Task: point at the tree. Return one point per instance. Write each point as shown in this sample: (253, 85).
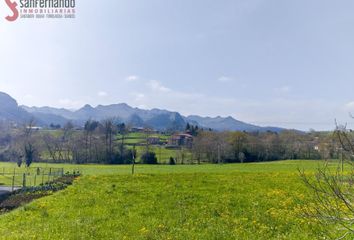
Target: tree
(333, 190)
(109, 131)
(147, 134)
(191, 129)
(149, 158)
(54, 147)
(212, 146)
(90, 127)
(237, 141)
(29, 148)
(181, 155)
(29, 154)
(188, 127)
(172, 161)
(123, 131)
(241, 157)
(67, 140)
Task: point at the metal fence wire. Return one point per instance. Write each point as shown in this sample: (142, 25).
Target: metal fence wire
(28, 177)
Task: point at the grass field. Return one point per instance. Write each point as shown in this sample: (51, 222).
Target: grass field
(163, 154)
(238, 201)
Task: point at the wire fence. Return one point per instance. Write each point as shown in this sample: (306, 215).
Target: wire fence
(28, 177)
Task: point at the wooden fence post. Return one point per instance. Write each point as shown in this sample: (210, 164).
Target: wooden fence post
(24, 180)
(13, 183)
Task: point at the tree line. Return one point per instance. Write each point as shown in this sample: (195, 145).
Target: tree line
(239, 147)
(105, 143)
(95, 143)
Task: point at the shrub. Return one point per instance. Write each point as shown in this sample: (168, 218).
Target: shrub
(172, 161)
(149, 158)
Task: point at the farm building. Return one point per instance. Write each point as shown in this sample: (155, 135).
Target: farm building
(137, 129)
(182, 139)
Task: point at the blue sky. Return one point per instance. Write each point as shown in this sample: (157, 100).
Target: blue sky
(268, 62)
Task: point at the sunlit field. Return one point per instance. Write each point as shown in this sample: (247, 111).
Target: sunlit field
(238, 201)
(94, 169)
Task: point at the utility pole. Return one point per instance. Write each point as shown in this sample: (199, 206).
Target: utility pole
(342, 160)
(133, 156)
(160, 154)
(219, 156)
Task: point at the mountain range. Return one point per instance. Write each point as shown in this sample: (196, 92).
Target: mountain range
(157, 119)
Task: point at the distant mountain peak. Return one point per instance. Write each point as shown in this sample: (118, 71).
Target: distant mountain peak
(7, 101)
(10, 111)
(155, 118)
(87, 106)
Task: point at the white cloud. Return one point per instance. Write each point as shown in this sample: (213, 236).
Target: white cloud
(224, 79)
(132, 78)
(157, 86)
(102, 94)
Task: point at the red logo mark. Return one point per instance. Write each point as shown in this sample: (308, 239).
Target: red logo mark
(13, 7)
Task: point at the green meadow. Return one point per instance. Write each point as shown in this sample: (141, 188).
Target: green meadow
(230, 201)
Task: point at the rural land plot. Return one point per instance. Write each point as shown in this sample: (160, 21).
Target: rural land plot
(245, 201)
